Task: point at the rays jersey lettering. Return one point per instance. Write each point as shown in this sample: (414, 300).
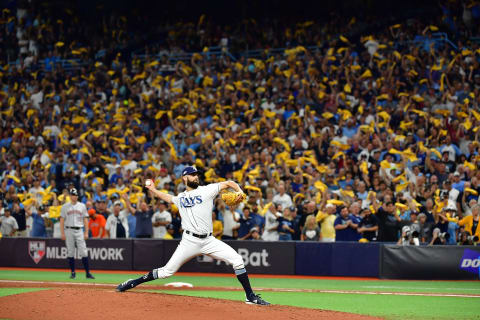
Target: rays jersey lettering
(196, 207)
(188, 202)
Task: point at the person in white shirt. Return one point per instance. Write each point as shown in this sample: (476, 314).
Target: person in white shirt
(163, 178)
(117, 224)
(160, 219)
(8, 224)
(36, 190)
(282, 198)
(270, 233)
(230, 220)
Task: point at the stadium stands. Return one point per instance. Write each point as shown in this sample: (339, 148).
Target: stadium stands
(374, 131)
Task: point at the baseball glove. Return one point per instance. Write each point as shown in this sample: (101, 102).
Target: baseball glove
(233, 198)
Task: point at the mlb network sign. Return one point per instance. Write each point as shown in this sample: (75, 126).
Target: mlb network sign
(471, 261)
(109, 254)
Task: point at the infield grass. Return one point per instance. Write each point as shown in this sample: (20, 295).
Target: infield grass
(394, 307)
(9, 291)
(455, 287)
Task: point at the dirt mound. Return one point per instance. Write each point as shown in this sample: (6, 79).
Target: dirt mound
(95, 303)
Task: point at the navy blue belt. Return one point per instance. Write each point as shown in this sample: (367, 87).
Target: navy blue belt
(74, 228)
(201, 236)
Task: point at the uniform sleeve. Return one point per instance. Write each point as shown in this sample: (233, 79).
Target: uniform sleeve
(84, 211)
(212, 190)
(63, 212)
(169, 217)
(154, 217)
(176, 201)
(15, 224)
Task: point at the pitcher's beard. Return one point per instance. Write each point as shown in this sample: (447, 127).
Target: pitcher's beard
(192, 184)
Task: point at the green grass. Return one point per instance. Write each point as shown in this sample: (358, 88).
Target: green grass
(391, 307)
(388, 306)
(9, 291)
(472, 287)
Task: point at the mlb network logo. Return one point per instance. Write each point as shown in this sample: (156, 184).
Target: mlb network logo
(36, 250)
(471, 261)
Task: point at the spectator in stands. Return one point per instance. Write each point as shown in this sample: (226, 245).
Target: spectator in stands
(160, 219)
(247, 223)
(354, 211)
(345, 228)
(230, 220)
(350, 116)
(176, 225)
(116, 226)
(270, 233)
(470, 223)
(96, 224)
(388, 219)
(101, 207)
(19, 215)
(282, 198)
(327, 223)
(311, 231)
(143, 217)
(438, 237)
(8, 224)
(285, 225)
(368, 226)
(296, 219)
(38, 221)
(425, 228)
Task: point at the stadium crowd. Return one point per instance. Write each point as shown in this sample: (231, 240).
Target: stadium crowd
(359, 138)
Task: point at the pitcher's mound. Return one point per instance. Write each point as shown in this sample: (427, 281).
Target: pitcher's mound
(86, 303)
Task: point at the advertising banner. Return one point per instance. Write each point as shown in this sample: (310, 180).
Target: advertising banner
(52, 253)
(149, 254)
(337, 259)
(435, 262)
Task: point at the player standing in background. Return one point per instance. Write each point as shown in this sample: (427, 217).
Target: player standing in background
(74, 217)
(196, 208)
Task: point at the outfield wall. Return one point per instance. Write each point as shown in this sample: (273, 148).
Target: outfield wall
(260, 257)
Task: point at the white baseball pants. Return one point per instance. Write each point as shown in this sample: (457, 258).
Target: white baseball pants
(191, 246)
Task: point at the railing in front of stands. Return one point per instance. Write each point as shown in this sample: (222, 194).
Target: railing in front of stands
(439, 38)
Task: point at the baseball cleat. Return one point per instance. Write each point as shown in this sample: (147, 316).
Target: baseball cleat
(124, 286)
(90, 276)
(255, 299)
(72, 275)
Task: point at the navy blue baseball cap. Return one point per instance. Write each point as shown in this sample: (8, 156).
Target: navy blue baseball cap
(189, 170)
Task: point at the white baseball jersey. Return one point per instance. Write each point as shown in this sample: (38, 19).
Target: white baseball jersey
(74, 214)
(8, 224)
(270, 222)
(160, 231)
(196, 207)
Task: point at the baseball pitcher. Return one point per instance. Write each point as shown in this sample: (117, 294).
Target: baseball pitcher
(196, 208)
(73, 218)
